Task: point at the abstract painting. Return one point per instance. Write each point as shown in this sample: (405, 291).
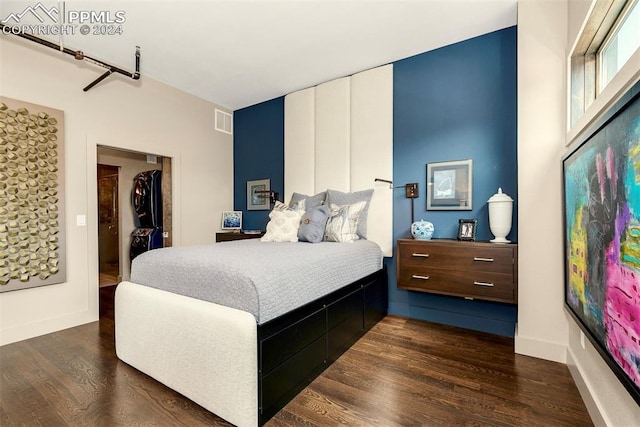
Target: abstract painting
(602, 238)
(32, 232)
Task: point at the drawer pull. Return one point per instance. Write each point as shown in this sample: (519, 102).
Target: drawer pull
(420, 255)
(490, 285)
(416, 276)
(483, 259)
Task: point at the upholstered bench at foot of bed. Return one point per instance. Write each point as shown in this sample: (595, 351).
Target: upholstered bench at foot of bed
(205, 351)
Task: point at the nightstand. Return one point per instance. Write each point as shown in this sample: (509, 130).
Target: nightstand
(473, 270)
(229, 236)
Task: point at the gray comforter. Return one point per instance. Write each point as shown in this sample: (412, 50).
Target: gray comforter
(262, 278)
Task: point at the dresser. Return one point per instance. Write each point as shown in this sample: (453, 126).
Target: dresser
(474, 270)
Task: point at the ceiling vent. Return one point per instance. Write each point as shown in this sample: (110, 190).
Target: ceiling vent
(224, 122)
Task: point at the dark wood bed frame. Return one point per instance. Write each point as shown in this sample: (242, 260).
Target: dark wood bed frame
(296, 347)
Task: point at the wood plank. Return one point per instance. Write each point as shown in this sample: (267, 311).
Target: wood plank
(402, 372)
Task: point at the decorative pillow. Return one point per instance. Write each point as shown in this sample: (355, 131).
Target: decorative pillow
(342, 199)
(283, 226)
(310, 202)
(312, 224)
(279, 206)
(342, 225)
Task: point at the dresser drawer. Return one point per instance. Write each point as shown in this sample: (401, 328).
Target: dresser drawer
(483, 285)
(462, 256)
(479, 270)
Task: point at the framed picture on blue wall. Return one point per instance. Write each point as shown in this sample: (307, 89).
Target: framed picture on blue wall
(450, 186)
(258, 195)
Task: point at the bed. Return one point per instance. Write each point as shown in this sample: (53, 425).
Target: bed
(246, 356)
(244, 360)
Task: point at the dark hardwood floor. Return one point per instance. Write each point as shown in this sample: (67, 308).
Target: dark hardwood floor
(403, 372)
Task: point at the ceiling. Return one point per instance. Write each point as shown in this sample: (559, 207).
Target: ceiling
(242, 52)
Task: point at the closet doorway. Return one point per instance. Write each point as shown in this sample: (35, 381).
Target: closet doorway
(116, 170)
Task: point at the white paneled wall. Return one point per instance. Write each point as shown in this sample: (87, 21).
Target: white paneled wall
(333, 133)
(339, 135)
(299, 130)
(372, 147)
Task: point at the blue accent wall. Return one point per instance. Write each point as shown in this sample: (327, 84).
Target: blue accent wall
(457, 102)
(258, 153)
(453, 103)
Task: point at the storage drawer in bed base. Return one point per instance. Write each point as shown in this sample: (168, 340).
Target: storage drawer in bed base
(295, 348)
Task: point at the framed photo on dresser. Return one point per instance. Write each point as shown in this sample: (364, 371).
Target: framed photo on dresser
(467, 229)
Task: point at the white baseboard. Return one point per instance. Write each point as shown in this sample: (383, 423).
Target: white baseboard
(31, 330)
(541, 349)
(585, 391)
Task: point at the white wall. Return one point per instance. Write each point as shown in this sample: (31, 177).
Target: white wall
(143, 116)
(351, 116)
(542, 49)
(546, 32)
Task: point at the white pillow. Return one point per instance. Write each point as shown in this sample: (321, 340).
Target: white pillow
(283, 226)
(279, 206)
(342, 199)
(342, 225)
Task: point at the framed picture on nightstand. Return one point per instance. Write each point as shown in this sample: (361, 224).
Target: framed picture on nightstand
(467, 229)
(231, 220)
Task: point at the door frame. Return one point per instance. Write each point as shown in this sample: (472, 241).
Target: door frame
(140, 146)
